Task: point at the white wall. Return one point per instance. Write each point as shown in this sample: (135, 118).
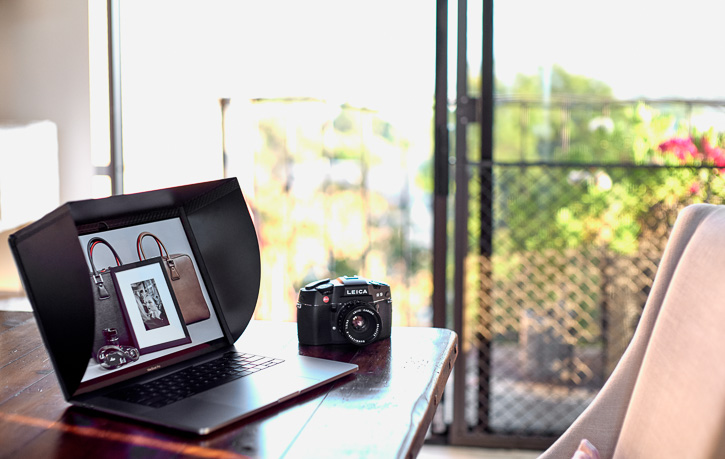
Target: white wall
(44, 75)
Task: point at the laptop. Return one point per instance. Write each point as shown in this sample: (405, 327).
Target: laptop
(141, 298)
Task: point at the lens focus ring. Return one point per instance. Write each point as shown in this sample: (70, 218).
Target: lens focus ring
(359, 323)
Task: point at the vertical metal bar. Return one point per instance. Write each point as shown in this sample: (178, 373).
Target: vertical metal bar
(565, 117)
(461, 222)
(441, 186)
(440, 174)
(486, 214)
(114, 95)
(523, 127)
(224, 106)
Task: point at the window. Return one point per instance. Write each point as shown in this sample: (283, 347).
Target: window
(322, 109)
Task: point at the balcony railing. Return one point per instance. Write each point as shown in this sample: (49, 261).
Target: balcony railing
(581, 197)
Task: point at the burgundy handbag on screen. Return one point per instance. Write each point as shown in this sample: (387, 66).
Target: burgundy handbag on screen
(105, 300)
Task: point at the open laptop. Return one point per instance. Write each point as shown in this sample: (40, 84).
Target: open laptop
(140, 299)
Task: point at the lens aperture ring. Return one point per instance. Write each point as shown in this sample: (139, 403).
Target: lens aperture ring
(359, 322)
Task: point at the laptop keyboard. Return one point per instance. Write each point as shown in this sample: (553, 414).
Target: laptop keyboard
(193, 380)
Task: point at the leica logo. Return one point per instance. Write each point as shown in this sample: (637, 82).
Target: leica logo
(356, 291)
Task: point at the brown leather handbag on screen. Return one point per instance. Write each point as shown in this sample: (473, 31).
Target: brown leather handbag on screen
(184, 282)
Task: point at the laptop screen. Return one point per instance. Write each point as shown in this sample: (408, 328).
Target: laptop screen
(151, 304)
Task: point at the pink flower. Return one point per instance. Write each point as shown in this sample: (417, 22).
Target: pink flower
(694, 188)
(684, 149)
(714, 154)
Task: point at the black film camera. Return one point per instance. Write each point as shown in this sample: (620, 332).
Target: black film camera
(344, 310)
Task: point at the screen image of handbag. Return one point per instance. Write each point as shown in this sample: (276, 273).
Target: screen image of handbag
(183, 278)
(105, 300)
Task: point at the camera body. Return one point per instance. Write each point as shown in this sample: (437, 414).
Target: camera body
(346, 310)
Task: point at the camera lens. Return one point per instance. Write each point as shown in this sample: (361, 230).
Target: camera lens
(359, 323)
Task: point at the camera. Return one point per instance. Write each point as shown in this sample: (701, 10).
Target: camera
(348, 309)
(113, 355)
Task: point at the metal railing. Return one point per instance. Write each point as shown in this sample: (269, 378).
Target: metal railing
(577, 229)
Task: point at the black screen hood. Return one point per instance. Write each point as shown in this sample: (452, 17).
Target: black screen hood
(52, 265)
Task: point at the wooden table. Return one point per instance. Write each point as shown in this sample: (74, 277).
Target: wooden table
(383, 411)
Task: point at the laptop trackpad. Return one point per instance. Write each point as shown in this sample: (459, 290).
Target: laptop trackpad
(257, 390)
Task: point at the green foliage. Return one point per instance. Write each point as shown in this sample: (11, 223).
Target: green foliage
(345, 123)
(548, 124)
(607, 205)
(557, 82)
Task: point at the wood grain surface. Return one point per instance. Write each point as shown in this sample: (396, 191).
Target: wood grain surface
(382, 411)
